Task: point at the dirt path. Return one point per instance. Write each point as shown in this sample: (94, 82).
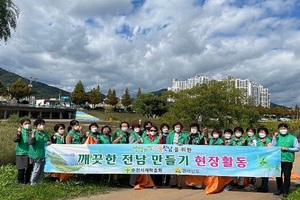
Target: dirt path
(188, 194)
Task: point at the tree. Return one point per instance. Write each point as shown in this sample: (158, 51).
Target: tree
(9, 13)
(2, 89)
(78, 96)
(139, 92)
(217, 104)
(126, 100)
(19, 89)
(111, 97)
(95, 96)
(149, 105)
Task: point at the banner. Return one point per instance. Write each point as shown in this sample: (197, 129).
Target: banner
(164, 159)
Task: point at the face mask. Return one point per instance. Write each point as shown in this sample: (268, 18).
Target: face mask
(283, 132)
(124, 129)
(153, 133)
(262, 135)
(227, 135)
(61, 131)
(76, 128)
(250, 134)
(106, 133)
(137, 130)
(238, 134)
(41, 127)
(215, 136)
(193, 130)
(165, 130)
(94, 130)
(177, 130)
(27, 126)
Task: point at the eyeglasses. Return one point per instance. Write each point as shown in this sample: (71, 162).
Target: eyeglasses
(153, 130)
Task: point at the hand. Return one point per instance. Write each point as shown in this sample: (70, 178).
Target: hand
(19, 130)
(48, 142)
(284, 149)
(180, 144)
(275, 134)
(80, 128)
(263, 140)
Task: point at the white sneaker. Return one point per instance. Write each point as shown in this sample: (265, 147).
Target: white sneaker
(250, 187)
(227, 188)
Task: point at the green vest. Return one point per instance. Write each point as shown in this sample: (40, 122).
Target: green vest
(249, 141)
(240, 142)
(123, 140)
(75, 136)
(213, 141)
(37, 150)
(181, 139)
(58, 140)
(94, 135)
(104, 139)
(22, 146)
(135, 136)
(259, 143)
(146, 140)
(288, 142)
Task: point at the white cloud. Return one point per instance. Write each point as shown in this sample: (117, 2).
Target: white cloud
(116, 45)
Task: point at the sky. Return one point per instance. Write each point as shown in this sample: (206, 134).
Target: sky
(120, 44)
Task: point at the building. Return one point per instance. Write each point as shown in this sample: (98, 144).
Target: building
(257, 92)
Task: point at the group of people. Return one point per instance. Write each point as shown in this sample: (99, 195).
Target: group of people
(30, 151)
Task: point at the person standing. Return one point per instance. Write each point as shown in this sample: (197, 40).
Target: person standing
(289, 145)
(37, 142)
(22, 160)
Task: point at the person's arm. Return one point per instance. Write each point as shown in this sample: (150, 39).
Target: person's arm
(31, 138)
(295, 147)
(69, 139)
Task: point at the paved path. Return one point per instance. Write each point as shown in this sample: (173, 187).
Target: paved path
(188, 194)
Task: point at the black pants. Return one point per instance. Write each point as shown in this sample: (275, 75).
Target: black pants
(24, 174)
(286, 169)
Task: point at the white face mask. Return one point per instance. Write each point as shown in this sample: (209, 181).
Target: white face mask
(283, 132)
(76, 127)
(153, 133)
(238, 134)
(137, 130)
(61, 131)
(250, 134)
(94, 130)
(215, 135)
(27, 126)
(177, 130)
(165, 130)
(194, 130)
(262, 135)
(41, 127)
(227, 135)
(124, 129)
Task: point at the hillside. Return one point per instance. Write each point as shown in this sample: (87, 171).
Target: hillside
(40, 90)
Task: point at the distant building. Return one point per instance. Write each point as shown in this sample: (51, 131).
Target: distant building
(257, 92)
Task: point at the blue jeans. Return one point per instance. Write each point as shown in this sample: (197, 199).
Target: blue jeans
(37, 174)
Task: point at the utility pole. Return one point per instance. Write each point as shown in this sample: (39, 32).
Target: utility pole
(31, 79)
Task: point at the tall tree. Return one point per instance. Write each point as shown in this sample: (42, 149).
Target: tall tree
(78, 96)
(9, 13)
(149, 104)
(217, 104)
(139, 92)
(111, 97)
(2, 89)
(19, 89)
(95, 96)
(126, 100)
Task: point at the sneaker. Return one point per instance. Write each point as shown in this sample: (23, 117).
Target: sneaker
(227, 188)
(155, 187)
(250, 187)
(279, 192)
(263, 189)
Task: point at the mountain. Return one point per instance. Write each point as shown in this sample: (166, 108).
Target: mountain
(159, 92)
(39, 90)
(273, 105)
